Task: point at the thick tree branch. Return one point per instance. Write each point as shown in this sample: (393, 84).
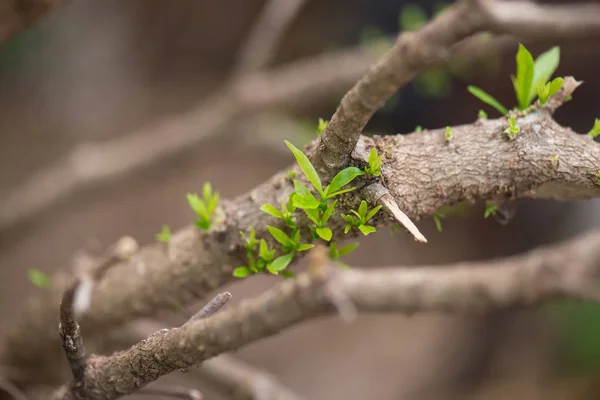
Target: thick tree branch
(411, 54)
(563, 270)
(18, 15)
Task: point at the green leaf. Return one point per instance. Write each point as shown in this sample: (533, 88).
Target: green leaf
(595, 131)
(490, 209)
(487, 99)
(544, 67)
(367, 229)
(306, 167)
(281, 263)
(325, 233)
(438, 222)
(362, 210)
(280, 236)
(347, 249)
(372, 213)
(197, 205)
(329, 211)
(207, 190)
(203, 224)
(263, 249)
(305, 246)
(164, 235)
(321, 125)
(271, 210)
(241, 272)
(38, 278)
(523, 82)
(412, 17)
(481, 115)
(342, 178)
(347, 229)
(341, 192)
(304, 198)
(555, 86)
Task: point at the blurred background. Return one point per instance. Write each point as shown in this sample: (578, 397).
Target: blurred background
(96, 71)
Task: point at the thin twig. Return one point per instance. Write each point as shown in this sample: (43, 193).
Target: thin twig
(211, 307)
(266, 34)
(564, 270)
(74, 300)
(12, 390)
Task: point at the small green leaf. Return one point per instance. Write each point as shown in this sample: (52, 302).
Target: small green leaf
(197, 205)
(545, 65)
(438, 222)
(321, 125)
(207, 190)
(595, 131)
(347, 249)
(305, 246)
(241, 272)
(38, 278)
(304, 198)
(280, 236)
(341, 192)
(490, 209)
(263, 249)
(555, 85)
(307, 167)
(341, 179)
(372, 213)
(325, 233)
(482, 115)
(329, 211)
(487, 99)
(164, 235)
(271, 210)
(333, 251)
(448, 134)
(347, 229)
(203, 224)
(281, 263)
(418, 129)
(367, 229)
(362, 209)
(523, 82)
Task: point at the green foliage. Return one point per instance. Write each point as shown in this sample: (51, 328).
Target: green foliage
(374, 167)
(548, 90)
(360, 219)
(487, 99)
(544, 67)
(412, 17)
(595, 131)
(164, 235)
(437, 219)
(318, 208)
(335, 253)
(531, 80)
(204, 207)
(490, 209)
(598, 177)
(523, 82)
(321, 125)
(418, 129)
(39, 278)
(512, 129)
(482, 115)
(448, 134)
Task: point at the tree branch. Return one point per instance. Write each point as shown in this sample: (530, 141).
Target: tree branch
(564, 270)
(422, 172)
(18, 15)
(266, 34)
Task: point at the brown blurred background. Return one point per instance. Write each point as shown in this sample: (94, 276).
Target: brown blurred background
(96, 70)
